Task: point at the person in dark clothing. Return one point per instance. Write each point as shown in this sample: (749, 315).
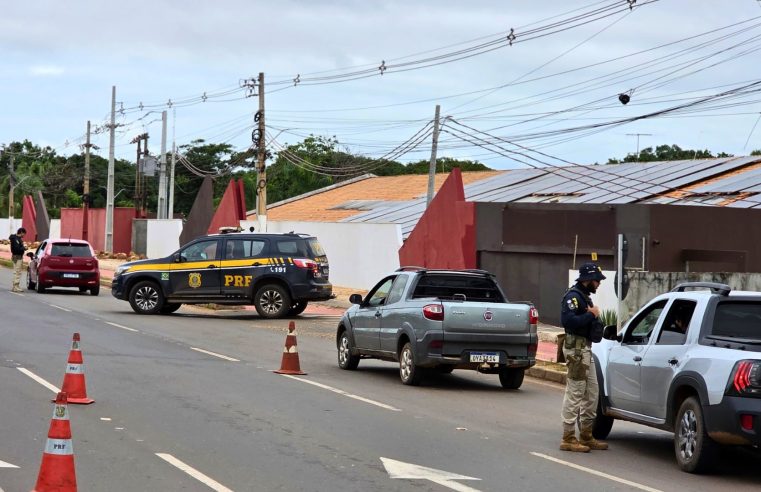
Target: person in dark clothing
(17, 257)
(580, 319)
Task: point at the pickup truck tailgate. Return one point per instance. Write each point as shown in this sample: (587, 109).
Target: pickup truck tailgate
(485, 317)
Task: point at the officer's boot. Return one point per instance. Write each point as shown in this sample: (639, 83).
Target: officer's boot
(587, 439)
(569, 442)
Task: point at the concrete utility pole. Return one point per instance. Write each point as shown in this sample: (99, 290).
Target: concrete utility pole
(86, 186)
(161, 212)
(170, 207)
(432, 167)
(110, 184)
(261, 186)
(138, 195)
(12, 185)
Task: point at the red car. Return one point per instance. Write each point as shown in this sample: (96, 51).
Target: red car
(63, 263)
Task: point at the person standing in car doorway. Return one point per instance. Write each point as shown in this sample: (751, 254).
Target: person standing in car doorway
(580, 320)
(17, 257)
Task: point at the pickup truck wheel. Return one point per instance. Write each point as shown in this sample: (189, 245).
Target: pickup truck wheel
(272, 301)
(346, 360)
(510, 377)
(695, 451)
(408, 371)
(146, 297)
(602, 424)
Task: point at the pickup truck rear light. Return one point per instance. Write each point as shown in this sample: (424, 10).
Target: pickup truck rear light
(745, 379)
(533, 316)
(434, 312)
(308, 264)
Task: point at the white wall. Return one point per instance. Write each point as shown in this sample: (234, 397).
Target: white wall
(55, 228)
(6, 228)
(360, 254)
(605, 298)
(163, 237)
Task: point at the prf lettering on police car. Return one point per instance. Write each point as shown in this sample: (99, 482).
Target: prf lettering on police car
(237, 280)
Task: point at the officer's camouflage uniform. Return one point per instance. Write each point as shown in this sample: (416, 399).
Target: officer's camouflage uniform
(581, 390)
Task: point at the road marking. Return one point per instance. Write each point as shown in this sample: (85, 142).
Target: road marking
(3, 464)
(597, 473)
(121, 326)
(32, 375)
(344, 393)
(61, 308)
(214, 354)
(209, 482)
(409, 471)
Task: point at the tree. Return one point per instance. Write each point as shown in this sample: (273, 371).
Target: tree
(756, 152)
(667, 153)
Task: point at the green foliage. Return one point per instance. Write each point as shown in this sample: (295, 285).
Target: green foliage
(608, 317)
(756, 152)
(667, 153)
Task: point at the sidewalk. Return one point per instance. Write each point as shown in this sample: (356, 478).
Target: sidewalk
(546, 365)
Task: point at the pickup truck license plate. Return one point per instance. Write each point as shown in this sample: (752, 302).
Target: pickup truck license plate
(484, 357)
(70, 275)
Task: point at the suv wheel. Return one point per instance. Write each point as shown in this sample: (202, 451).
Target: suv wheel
(169, 308)
(410, 373)
(272, 301)
(146, 297)
(346, 360)
(298, 308)
(695, 451)
(510, 377)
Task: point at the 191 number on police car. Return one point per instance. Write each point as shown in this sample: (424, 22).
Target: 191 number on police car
(277, 269)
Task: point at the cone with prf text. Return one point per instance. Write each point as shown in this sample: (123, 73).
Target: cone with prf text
(74, 379)
(57, 468)
(290, 363)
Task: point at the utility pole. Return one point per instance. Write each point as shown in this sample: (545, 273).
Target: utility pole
(432, 166)
(161, 212)
(86, 186)
(639, 135)
(261, 186)
(170, 208)
(138, 195)
(110, 184)
(143, 193)
(12, 184)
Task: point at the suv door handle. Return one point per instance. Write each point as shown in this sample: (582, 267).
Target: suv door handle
(212, 266)
(637, 358)
(256, 263)
(673, 361)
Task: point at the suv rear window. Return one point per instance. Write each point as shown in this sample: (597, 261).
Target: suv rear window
(292, 247)
(445, 287)
(737, 320)
(316, 247)
(70, 250)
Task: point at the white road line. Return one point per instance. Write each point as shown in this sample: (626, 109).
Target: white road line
(4, 464)
(121, 326)
(32, 375)
(209, 482)
(214, 354)
(597, 473)
(61, 308)
(344, 393)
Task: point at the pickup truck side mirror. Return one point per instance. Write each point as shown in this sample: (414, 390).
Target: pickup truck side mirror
(30, 255)
(610, 333)
(355, 299)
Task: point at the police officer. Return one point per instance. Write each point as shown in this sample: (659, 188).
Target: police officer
(580, 319)
(17, 257)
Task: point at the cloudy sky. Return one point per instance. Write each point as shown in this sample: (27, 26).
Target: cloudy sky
(60, 60)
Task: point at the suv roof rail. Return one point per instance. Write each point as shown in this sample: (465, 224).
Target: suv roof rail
(411, 269)
(477, 270)
(716, 288)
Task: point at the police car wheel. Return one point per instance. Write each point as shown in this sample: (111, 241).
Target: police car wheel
(146, 298)
(169, 308)
(272, 301)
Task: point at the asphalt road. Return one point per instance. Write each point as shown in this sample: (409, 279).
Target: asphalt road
(169, 416)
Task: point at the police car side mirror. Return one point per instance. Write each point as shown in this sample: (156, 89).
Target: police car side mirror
(355, 299)
(610, 333)
(176, 258)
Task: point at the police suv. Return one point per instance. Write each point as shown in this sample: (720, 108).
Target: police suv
(278, 273)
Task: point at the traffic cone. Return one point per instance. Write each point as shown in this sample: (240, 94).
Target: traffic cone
(57, 468)
(290, 362)
(74, 379)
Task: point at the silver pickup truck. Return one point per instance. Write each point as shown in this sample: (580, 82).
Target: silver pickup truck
(688, 362)
(440, 320)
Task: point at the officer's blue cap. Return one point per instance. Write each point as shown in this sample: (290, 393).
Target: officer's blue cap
(590, 271)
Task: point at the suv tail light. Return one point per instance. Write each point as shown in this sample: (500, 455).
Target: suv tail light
(533, 316)
(434, 312)
(308, 264)
(745, 379)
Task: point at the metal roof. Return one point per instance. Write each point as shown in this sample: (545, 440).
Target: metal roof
(634, 182)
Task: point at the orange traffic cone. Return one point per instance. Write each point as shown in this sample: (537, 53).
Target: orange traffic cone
(57, 467)
(290, 363)
(74, 379)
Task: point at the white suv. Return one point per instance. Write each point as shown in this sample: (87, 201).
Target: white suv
(688, 362)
